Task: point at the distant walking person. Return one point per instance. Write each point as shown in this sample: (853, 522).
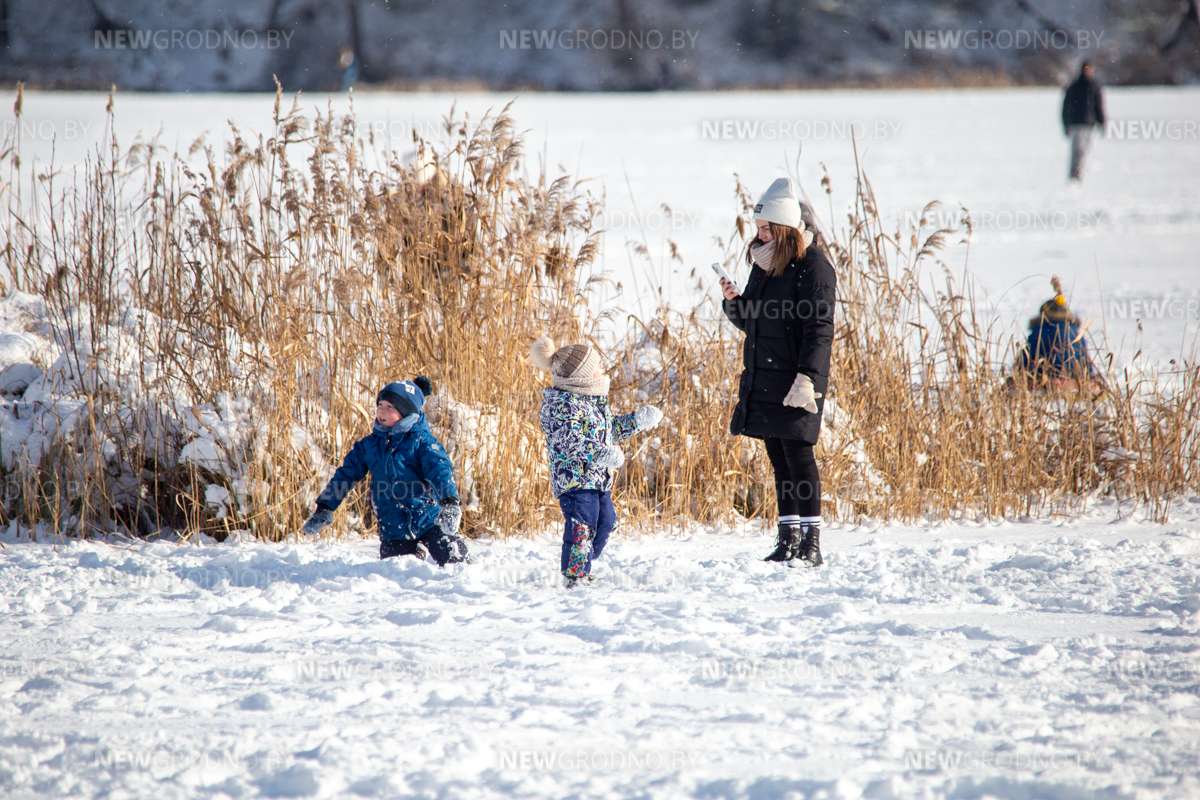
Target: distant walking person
(1082, 112)
(349, 65)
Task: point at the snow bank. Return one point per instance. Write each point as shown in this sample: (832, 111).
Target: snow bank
(66, 377)
(61, 368)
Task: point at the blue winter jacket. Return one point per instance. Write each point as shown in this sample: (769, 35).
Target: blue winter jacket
(1055, 350)
(578, 427)
(410, 476)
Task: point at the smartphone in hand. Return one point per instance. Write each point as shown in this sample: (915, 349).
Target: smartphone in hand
(723, 275)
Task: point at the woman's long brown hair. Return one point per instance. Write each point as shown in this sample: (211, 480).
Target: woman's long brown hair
(789, 246)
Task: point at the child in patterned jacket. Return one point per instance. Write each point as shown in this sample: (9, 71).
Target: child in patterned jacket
(581, 437)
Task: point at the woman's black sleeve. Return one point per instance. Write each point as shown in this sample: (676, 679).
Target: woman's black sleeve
(818, 294)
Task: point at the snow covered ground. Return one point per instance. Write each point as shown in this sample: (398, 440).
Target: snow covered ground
(1126, 238)
(1016, 660)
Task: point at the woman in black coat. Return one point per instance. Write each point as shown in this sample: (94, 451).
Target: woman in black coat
(786, 312)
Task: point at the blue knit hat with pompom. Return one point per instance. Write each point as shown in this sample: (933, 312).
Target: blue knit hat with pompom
(406, 396)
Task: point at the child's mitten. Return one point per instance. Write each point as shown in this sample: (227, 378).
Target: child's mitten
(320, 519)
(610, 457)
(450, 517)
(647, 417)
(801, 395)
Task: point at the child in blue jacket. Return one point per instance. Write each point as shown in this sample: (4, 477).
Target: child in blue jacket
(1056, 351)
(581, 435)
(412, 480)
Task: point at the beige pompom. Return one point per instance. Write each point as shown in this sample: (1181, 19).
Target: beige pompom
(542, 352)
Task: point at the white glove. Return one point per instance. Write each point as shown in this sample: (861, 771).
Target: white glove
(801, 395)
(610, 457)
(449, 519)
(647, 417)
(317, 521)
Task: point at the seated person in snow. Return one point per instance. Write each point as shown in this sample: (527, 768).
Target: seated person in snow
(581, 434)
(412, 480)
(1056, 354)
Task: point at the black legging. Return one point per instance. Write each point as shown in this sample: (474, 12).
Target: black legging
(797, 483)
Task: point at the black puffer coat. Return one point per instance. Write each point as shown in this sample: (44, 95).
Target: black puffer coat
(788, 322)
(1083, 103)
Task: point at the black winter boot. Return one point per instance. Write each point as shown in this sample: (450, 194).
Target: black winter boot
(809, 550)
(787, 540)
(446, 548)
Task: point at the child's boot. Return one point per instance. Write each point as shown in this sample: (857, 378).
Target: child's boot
(446, 548)
(391, 548)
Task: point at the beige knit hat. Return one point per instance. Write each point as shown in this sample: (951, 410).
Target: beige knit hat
(568, 361)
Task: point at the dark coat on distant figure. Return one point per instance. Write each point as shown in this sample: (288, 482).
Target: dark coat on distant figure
(1055, 349)
(1083, 103)
(788, 322)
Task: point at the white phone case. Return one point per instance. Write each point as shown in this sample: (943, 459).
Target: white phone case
(721, 273)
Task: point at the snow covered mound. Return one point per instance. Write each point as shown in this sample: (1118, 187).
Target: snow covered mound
(59, 366)
(1047, 660)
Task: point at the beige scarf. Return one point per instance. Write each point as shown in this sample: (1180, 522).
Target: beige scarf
(763, 254)
(593, 387)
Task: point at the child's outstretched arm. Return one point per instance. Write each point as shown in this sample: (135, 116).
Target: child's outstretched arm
(352, 470)
(626, 425)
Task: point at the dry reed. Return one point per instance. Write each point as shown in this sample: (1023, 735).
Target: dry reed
(226, 320)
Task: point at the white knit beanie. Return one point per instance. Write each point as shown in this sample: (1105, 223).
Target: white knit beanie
(780, 205)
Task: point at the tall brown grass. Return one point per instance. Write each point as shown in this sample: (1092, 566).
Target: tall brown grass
(278, 284)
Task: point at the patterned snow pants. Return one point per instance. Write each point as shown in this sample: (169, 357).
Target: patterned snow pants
(590, 517)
